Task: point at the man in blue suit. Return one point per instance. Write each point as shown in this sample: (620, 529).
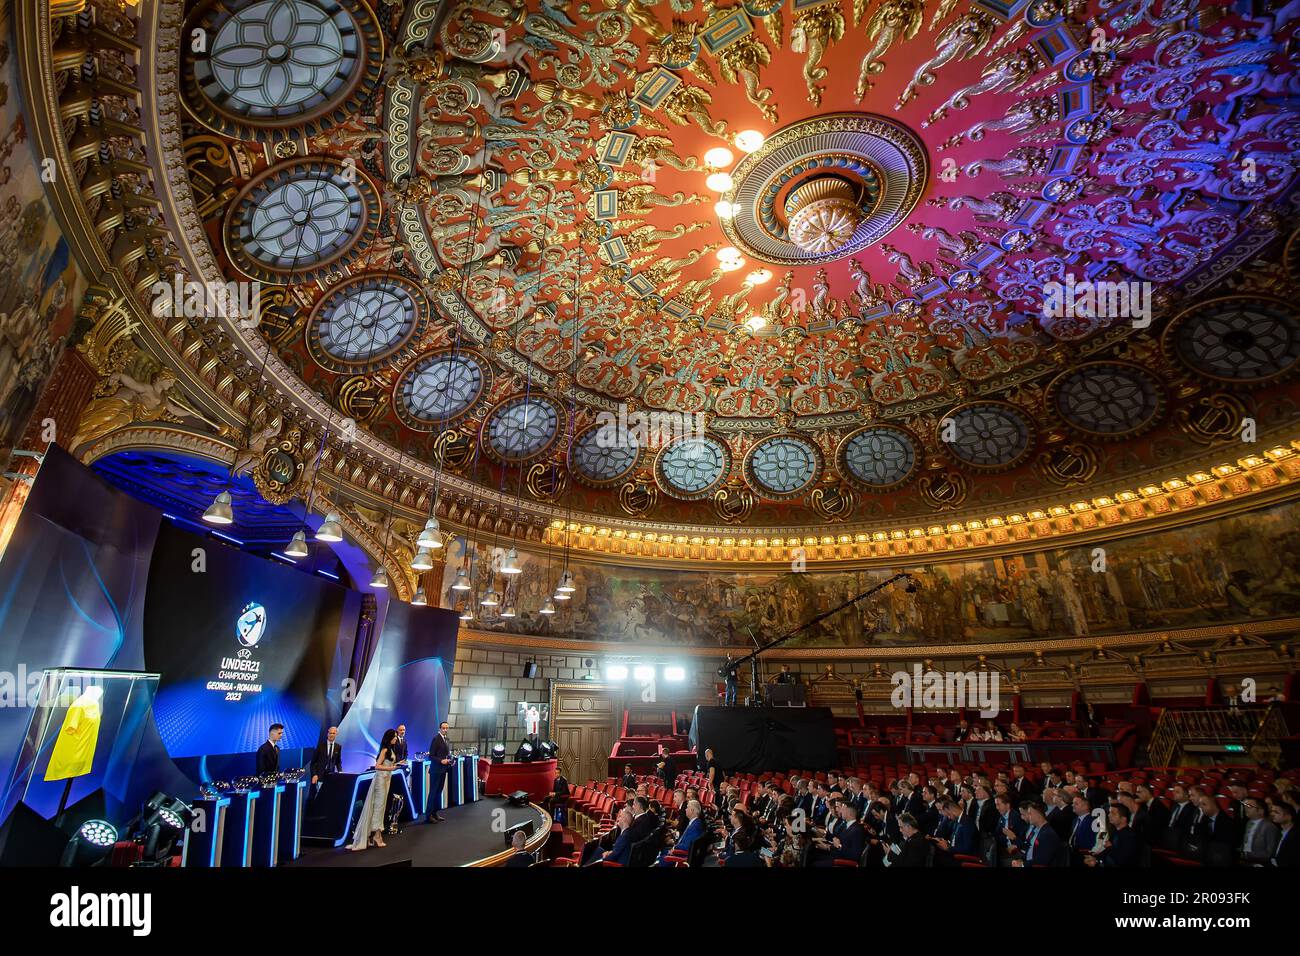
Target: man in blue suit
(621, 852)
(1041, 844)
(1083, 839)
(1011, 826)
(695, 830)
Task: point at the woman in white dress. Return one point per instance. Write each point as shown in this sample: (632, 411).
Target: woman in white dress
(370, 825)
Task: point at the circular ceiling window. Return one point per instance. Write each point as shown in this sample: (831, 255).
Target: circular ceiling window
(783, 466)
(1242, 338)
(879, 457)
(440, 387)
(1107, 399)
(521, 428)
(603, 456)
(363, 322)
(692, 467)
(987, 435)
(272, 69)
(297, 219)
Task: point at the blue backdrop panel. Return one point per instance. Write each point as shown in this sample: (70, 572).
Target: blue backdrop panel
(408, 682)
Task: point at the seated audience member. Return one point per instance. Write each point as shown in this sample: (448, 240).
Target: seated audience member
(520, 857)
(629, 778)
(677, 814)
(912, 848)
(992, 733)
(643, 821)
(1011, 827)
(1287, 852)
(929, 820)
(1260, 834)
(1042, 847)
(848, 841)
(1021, 787)
(1016, 735)
(1083, 838)
(1091, 788)
(959, 836)
(1152, 819)
(1122, 847)
(963, 732)
(694, 831)
(621, 851)
(745, 853)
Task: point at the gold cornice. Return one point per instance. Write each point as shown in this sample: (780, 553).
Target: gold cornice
(1132, 639)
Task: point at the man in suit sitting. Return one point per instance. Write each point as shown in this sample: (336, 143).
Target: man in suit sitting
(621, 851)
(1287, 852)
(1011, 827)
(521, 857)
(1021, 787)
(440, 760)
(913, 850)
(959, 834)
(1041, 844)
(328, 757)
(1083, 839)
(644, 823)
(746, 853)
(1123, 848)
(930, 816)
(695, 830)
(848, 841)
(268, 755)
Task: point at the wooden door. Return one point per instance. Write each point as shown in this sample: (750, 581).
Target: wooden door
(585, 721)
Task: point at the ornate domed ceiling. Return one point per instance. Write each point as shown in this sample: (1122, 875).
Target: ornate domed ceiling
(836, 251)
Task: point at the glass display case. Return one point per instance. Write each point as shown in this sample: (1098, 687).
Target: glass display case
(84, 732)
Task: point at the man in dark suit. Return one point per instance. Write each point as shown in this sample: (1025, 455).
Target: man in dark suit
(913, 848)
(666, 767)
(1152, 819)
(1041, 844)
(1082, 836)
(1059, 816)
(328, 757)
(1287, 852)
(1214, 835)
(1123, 848)
(399, 745)
(984, 813)
(440, 760)
(930, 816)
(746, 854)
(1097, 795)
(1021, 787)
(1011, 827)
(268, 755)
(521, 857)
(621, 851)
(849, 840)
(644, 822)
(962, 731)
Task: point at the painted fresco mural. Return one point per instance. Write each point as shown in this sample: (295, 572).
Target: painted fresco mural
(1234, 569)
(40, 283)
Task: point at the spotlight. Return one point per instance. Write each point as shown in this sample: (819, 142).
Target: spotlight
(483, 702)
(550, 750)
(615, 672)
(330, 530)
(498, 753)
(724, 209)
(731, 265)
(719, 182)
(758, 276)
(748, 140)
(422, 561)
(297, 546)
(220, 512)
(525, 753)
(431, 536)
(643, 672)
(91, 843)
(674, 673)
(462, 581)
(380, 580)
(420, 599)
(162, 823)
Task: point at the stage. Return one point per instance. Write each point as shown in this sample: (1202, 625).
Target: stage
(468, 837)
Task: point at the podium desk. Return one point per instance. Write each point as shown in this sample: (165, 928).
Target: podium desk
(237, 836)
(203, 841)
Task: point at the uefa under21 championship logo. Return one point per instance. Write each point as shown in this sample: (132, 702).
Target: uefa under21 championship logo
(251, 624)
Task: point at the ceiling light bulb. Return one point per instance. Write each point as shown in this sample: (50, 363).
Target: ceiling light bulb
(731, 265)
(330, 529)
(431, 536)
(297, 546)
(466, 613)
(749, 140)
(508, 610)
(724, 209)
(548, 607)
(422, 561)
(220, 512)
(566, 585)
(420, 599)
(462, 581)
(491, 599)
(510, 564)
(380, 580)
(728, 253)
(719, 182)
(758, 276)
(718, 157)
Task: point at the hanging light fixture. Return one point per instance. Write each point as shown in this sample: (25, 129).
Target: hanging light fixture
(548, 607)
(508, 609)
(423, 561)
(220, 512)
(563, 596)
(297, 546)
(462, 581)
(431, 536)
(330, 530)
(466, 612)
(380, 580)
(566, 583)
(420, 600)
(491, 599)
(510, 564)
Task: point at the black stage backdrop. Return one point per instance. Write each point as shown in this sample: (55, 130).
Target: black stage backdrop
(755, 739)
